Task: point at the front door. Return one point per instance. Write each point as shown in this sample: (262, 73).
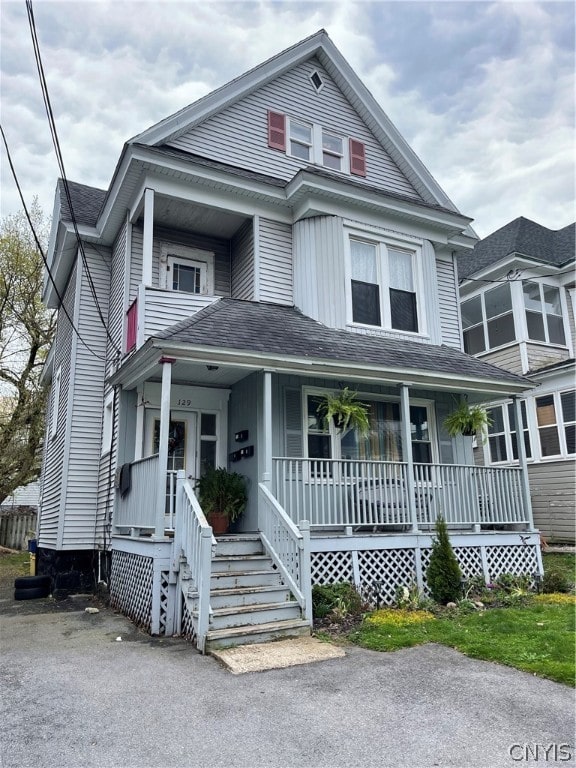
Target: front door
(182, 441)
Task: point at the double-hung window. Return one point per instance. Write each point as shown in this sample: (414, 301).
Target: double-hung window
(488, 320)
(383, 286)
(332, 151)
(503, 435)
(300, 140)
(189, 270)
(544, 319)
(556, 422)
(384, 441)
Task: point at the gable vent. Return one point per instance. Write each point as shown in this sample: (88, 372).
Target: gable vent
(317, 81)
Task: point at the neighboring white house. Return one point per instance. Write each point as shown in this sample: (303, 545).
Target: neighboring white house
(272, 242)
(517, 302)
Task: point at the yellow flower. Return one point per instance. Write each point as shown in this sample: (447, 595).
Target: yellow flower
(556, 598)
(397, 617)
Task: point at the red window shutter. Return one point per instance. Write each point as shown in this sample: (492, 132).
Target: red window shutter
(276, 130)
(132, 325)
(357, 158)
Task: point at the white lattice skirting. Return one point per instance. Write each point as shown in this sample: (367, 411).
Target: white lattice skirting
(379, 571)
(140, 585)
(131, 583)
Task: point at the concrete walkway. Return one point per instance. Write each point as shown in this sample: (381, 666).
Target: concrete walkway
(74, 695)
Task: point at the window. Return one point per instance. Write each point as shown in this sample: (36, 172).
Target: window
(383, 291)
(300, 140)
(108, 424)
(55, 402)
(488, 320)
(208, 440)
(544, 319)
(313, 143)
(317, 81)
(556, 421)
(189, 270)
(503, 436)
(332, 151)
(384, 443)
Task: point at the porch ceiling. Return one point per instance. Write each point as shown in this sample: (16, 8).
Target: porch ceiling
(172, 213)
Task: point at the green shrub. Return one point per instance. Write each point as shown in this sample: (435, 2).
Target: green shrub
(339, 599)
(443, 574)
(555, 580)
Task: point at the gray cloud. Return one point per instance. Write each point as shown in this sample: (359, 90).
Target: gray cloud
(482, 91)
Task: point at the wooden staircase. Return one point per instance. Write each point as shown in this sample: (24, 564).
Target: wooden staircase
(249, 602)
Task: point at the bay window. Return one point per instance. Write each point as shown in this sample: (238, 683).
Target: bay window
(383, 285)
(544, 319)
(488, 320)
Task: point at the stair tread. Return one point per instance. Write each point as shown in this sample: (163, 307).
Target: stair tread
(253, 608)
(248, 590)
(256, 629)
(262, 572)
(236, 558)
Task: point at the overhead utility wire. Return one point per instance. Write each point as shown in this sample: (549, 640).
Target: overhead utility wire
(58, 151)
(41, 251)
(512, 277)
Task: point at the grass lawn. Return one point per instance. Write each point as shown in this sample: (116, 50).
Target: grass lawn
(565, 562)
(14, 564)
(537, 637)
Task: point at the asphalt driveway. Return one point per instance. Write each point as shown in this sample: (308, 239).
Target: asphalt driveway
(73, 695)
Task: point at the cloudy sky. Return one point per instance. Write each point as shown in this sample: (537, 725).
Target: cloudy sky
(482, 91)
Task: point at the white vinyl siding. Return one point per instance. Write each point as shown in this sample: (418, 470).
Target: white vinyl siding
(448, 303)
(86, 408)
(275, 262)
(243, 266)
(553, 492)
(53, 462)
(239, 134)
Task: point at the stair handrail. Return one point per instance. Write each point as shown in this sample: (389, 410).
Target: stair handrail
(194, 541)
(289, 547)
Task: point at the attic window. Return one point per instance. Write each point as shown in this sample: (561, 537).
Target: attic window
(317, 81)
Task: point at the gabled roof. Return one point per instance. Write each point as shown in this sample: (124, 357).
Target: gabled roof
(521, 237)
(320, 46)
(86, 201)
(273, 329)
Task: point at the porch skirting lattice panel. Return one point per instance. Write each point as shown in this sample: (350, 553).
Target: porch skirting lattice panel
(140, 583)
(378, 565)
(131, 582)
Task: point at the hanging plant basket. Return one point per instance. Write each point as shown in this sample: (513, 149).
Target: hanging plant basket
(346, 413)
(468, 420)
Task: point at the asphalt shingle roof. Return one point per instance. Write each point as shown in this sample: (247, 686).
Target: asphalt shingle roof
(524, 237)
(86, 201)
(273, 329)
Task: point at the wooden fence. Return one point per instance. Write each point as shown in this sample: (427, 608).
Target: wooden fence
(16, 528)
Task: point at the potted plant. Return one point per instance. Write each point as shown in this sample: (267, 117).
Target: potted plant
(222, 496)
(345, 411)
(467, 420)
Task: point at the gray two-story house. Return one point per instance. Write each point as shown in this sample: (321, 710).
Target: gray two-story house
(517, 301)
(271, 243)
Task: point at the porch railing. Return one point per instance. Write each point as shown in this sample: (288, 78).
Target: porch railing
(194, 542)
(334, 493)
(136, 507)
(288, 546)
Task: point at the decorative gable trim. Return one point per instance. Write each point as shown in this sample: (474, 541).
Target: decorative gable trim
(357, 158)
(276, 130)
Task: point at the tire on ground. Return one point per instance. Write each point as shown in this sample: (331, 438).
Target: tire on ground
(32, 582)
(31, 594)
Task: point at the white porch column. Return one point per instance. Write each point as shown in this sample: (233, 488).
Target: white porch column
(522, 463)
(267, 429)
(148, 237)
(163, 443)
(140, 412)
(407, 452)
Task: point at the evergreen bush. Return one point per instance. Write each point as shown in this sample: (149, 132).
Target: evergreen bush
(443, 574)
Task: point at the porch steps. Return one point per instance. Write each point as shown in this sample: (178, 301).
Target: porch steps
(249, 603)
